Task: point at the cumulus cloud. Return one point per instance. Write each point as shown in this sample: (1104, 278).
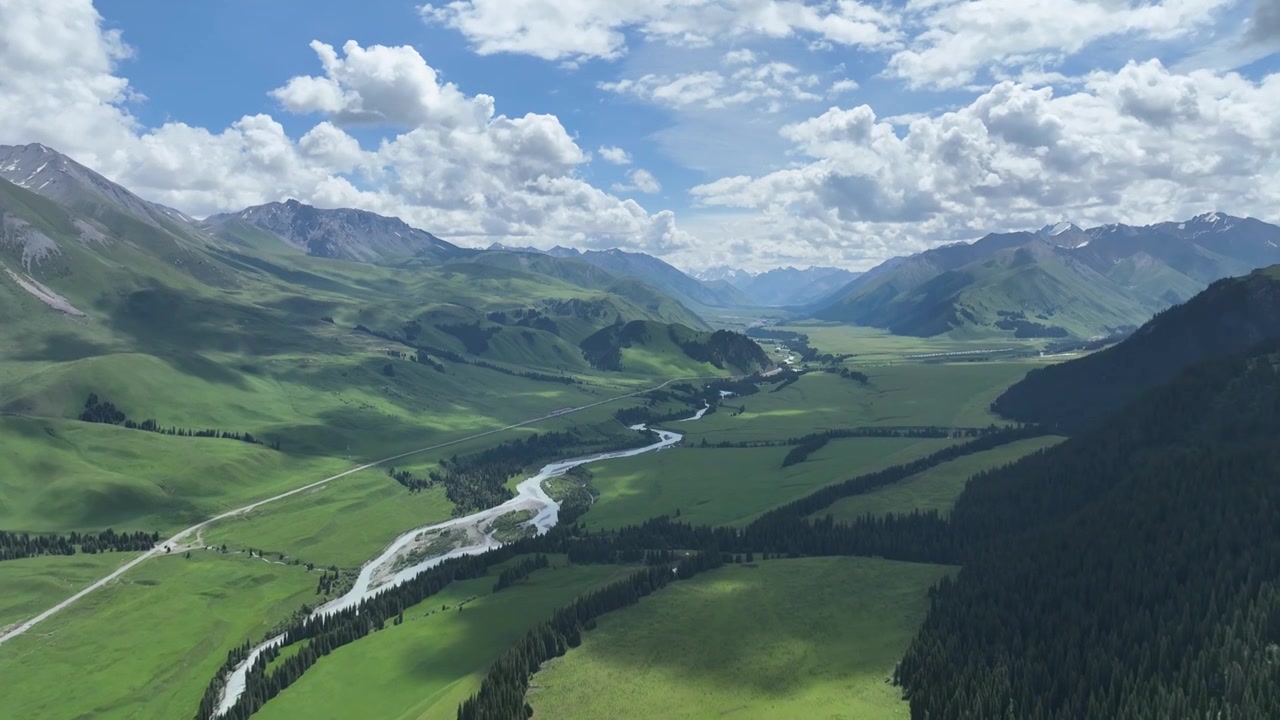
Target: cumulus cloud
(842, 85)
(1140, 145)
(449, 163)
(580, 29)
(639, 180)
(771, 82)
(615, 155)
(952, 41)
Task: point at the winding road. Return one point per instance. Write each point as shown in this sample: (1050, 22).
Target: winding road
(14, 631)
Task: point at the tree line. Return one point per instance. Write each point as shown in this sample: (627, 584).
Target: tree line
(520, 571)
(97, 410)
(412, 482)
(478, 481)
(921, 431)
(503, 689)
(23, 545)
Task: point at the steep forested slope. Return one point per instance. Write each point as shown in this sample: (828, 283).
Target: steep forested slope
(1228, 317)
(1131, 572)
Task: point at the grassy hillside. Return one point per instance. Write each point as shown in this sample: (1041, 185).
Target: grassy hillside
(674, 350)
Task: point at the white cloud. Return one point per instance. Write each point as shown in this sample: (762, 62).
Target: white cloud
(956, 39)
(1139, 145)
(639, 180)
(615, 155)
(450, 164)
(577, 29)
(843, 85)
(772, 82)
(739, 57)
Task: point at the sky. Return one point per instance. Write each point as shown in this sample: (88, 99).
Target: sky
(749, 133)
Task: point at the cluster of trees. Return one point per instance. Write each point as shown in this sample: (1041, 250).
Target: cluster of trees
(525, 317)
(329, 581)
(854, 375)
(579, 500)
(789, 377)
(478, 481)
(502, 691)
(801, 452)
(520, 571)
(410, 481)
(724, 348)
(812, 439)
(99, 411)
(22, 545)
(645, 414)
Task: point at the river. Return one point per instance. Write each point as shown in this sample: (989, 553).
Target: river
(399, 562)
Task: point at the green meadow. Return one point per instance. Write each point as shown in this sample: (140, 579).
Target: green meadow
(33, 585)
(721, 486)
(807, 638)
(936, 488)
(424, 668)
(956, 394)
(146, 646)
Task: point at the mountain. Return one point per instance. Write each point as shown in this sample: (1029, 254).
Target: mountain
(1229, 317)
(781, 287)
(789, 286)
(342, 233)
(660, 275)
(734, 276)
(1132, 571)
(63, 180)
(638, 344)
(1061, 281)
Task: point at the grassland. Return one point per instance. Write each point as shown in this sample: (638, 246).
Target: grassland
(32, 585)
(912, 394)
(936, 488)
(422, 669)
(812, 638)
(731, 485)
(873, 345)
(146, 646)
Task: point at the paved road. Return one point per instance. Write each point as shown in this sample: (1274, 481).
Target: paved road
(16, 630)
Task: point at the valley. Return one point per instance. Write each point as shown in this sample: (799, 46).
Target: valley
(364, 471)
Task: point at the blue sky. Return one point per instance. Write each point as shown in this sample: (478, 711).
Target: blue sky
(758, 132)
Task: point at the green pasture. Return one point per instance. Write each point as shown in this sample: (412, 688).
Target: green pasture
(33, 585)
(424, 668)
(808, 638)
(732, 485)
(936, 488)
(146, 646)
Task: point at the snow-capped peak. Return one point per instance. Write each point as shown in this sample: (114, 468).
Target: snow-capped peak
(1058, 229)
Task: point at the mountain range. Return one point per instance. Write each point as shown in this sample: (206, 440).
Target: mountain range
(1060, 281)
(91, 274)
(781, 287)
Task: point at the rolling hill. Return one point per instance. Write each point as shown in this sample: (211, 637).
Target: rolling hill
(233, 325)
(638, 344)
(1229, 317)
(1059, 282)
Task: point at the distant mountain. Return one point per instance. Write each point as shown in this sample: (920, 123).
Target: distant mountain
(1229, 317)
(342, 233)
(660, 275)
(735, 276)
(781, 287)
(1060, 281)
